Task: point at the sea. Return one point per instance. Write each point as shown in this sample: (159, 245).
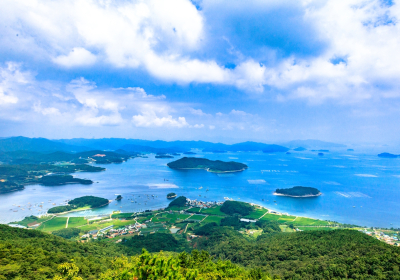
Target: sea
(357, 188)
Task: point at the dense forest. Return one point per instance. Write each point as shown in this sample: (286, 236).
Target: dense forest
(203, 163)
(60, 209)
(92, 201)
(179, 201)
(236, 207)
(335, 254)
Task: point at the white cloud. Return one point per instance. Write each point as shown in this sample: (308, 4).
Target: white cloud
(81, 103)
(150, 119)
(77, 57)
(6, 99)
(167, 38)
(198, 126)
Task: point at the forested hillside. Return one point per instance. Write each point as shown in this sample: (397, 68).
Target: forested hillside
(336, 254)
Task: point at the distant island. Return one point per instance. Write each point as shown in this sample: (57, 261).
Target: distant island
(350, 150)
(189, 153)
(300, 149)
(80, 203)
(216, 166)
(387, 155)
(298, 191)
(171, 195)
(214, 151)
(59, 180)
(164, 156)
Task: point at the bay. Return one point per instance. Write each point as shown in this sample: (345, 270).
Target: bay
(358, 188)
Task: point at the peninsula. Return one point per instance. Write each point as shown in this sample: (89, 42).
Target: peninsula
(298, 191)
(215, 166)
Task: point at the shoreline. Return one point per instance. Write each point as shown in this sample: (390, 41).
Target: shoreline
(78, 210)
(303, 196)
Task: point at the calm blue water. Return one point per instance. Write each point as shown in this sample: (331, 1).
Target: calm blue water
(369, 183)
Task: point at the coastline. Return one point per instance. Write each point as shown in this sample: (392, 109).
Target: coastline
(303, 196)
(78, 210)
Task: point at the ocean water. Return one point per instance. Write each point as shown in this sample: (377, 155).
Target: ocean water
(360, 189)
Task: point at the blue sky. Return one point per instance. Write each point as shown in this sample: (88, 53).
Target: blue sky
(217, 70)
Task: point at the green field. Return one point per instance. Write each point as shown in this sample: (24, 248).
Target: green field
(183, 216)
(54, 224)
(213, 211)
(76, 221)
(197, 217)
(28, 220)
(270, 217)
(194, 210)
(211, 219)
(121, 215)
(285, 228)
(177, 208)
(300, 221)
(287, 218)
(314, 228)
(256, 214)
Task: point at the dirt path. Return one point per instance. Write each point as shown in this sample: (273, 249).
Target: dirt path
(66, 225)
(262, 215)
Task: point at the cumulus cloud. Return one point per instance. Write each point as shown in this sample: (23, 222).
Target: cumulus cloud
(80, 102)
(161, 37)
(77, 57)
(156, 115)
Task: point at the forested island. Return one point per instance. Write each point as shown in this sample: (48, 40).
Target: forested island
(58, 180)
(21, 168)
(171, 195)
(387, 155)
(80, 202)
(216, 166)
(163, 156)
(298, 191)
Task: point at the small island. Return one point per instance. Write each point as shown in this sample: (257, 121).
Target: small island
(119, 197)
(80, 203)
(387, 155)
(300, 149)
(298, 191)
(164, 156)
(171, 195)
(215, 166)
(59, 180)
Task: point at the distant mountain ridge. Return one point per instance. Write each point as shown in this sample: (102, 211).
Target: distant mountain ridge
(160, 146)
(20, 143)
(312, 144)
(147, 146)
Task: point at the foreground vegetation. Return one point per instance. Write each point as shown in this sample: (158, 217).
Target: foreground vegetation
(269, 248)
